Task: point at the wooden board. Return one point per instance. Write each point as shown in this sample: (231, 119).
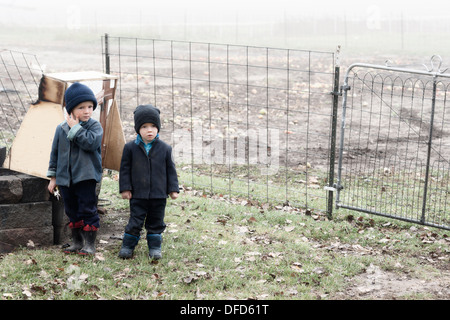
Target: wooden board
(80, 76)
(52, 90)
(30, 151)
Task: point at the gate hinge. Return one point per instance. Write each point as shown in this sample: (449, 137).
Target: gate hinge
(334, 188)
(346, 88)
(334, 93)
(338, 187)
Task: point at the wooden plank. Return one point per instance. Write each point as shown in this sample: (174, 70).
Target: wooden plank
(81, 76)
(52, 90)
(30, 151)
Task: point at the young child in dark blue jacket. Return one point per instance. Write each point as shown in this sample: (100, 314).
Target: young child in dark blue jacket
(147, 176)
(75, 166)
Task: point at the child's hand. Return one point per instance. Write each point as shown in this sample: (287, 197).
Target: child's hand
(72, 120)
(173, 195)
(52, 185)
(126, 195)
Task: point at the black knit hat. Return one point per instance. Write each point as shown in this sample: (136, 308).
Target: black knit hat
(76, 94)
(146, 114)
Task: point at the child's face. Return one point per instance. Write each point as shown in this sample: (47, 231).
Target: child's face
(83, 111)
(148, 132)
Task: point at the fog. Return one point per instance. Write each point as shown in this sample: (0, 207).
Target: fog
(400, 25)
(84, 12)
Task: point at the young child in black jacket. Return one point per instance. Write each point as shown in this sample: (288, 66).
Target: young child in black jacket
(147, 176)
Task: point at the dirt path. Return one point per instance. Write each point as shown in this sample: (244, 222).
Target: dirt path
(377, 284)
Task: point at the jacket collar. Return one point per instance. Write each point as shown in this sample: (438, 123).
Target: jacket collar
(145, 146)
(139, 140)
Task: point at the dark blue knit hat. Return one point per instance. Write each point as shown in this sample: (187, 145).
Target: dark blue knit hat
(146, 114)
(78, 93)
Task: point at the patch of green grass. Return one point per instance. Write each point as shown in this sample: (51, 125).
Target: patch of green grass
(219, 247)
(109, 193)
(302, 188)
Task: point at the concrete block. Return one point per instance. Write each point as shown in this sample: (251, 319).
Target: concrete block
(19, 187)
(25, 215)
(34, 188)
(10, 189)
(10, 238)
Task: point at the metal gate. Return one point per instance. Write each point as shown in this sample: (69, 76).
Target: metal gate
(395, 143)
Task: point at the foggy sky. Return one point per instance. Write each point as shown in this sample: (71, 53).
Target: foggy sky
(52, 12)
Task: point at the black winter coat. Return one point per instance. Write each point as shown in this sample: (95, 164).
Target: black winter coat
(148, 177)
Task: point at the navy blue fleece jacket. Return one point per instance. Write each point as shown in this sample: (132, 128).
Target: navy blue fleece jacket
(151, 176)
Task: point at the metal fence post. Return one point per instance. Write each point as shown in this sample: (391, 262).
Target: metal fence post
(430, 141)
(335, 94)
(107, 65)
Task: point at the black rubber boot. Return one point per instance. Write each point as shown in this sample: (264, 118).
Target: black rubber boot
(89, 234)
(129, 242)
(154, 246)
(77, 241)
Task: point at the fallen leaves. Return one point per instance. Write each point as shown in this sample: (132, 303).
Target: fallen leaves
(196, 275)
(98, 256)
(30, 262)
(297, 267)
(30, 244)
(289, 229)
(246, 249)
(26, 293)
(351, 249)
(428, 237)
(360, 222)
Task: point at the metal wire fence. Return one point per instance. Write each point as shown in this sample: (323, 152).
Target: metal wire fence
(262, 123)
(244, 121)
(395, 146)
(19, 81)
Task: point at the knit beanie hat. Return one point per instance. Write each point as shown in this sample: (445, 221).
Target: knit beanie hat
(78, 93)
(146, 114)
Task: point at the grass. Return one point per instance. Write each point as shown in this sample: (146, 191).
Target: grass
(221, 248)
(302, 188)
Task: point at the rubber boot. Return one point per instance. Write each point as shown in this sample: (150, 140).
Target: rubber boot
(89, 234)
(129, 242)
(154, 246)
(77, 237)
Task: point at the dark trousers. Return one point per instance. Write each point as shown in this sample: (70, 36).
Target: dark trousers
(80, 202)
(148, 211)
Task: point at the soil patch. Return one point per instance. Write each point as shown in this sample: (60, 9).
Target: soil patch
(376, 284)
